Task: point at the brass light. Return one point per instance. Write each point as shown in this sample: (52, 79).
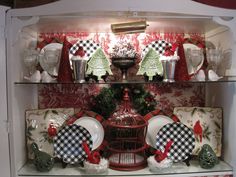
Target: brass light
(129, 27)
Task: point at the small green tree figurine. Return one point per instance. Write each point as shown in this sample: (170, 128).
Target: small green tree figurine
(98, 65)
(207, 157)
(150, 65)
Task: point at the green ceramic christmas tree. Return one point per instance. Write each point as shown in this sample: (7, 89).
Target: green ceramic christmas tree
(98, 65)
(42, 160)
(207, 157)
(150, 65)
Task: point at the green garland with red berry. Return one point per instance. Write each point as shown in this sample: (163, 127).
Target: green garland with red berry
(105, 103)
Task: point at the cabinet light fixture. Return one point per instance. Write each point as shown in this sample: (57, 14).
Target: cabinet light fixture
(129, 27)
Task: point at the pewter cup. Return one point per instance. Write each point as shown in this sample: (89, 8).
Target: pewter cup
(79, 67)
(168, 70)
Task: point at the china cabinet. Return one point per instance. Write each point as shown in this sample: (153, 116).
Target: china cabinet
(32, 27)
(4, 148)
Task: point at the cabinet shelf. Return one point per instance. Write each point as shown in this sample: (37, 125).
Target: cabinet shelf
(178, 169)
(126, 82)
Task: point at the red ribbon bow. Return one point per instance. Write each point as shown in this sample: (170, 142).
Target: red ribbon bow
(169, 51)
(93, 157)
(162, 155)
(80, 52)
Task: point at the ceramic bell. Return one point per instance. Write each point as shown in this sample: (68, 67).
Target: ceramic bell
(42, 160)
(207, 157)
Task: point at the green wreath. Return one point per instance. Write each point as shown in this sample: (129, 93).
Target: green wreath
(105, 102)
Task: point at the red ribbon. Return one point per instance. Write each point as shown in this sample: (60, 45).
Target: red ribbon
(162, 155)
(93, 157)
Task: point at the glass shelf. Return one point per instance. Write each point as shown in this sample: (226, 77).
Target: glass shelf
(178, 169)
(126, 82)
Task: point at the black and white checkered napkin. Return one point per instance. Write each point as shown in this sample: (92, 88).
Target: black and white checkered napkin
(89, 47)
(182, 137)
(68, 143)
(159, 46)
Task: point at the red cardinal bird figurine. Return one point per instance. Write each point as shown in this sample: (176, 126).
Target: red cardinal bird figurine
(93, 157)
(162, 155)
(52, 131)
(197, 129)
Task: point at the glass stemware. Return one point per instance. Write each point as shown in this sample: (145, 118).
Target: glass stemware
(214, 57)
(51, 59)
(196, 57)
(123, 64)
(31, 58)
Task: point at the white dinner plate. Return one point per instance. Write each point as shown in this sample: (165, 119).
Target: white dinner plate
(155, 123)
(94, 127)
(43, 63)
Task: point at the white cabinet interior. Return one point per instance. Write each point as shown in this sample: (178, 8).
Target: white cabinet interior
(25, 25)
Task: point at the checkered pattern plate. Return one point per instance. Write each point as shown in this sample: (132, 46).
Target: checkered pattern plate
(89, 47)
(159, 46)
(68, 143)
(183, 141)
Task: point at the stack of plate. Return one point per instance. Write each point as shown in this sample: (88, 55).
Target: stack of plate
(162, 129)
(68, 144)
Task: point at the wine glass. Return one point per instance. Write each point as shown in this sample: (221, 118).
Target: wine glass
(31, 59)
(214, 57)
(196, 57)
(51, 59)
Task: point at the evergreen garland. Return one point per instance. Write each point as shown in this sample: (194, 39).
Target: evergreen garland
(105, 103)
